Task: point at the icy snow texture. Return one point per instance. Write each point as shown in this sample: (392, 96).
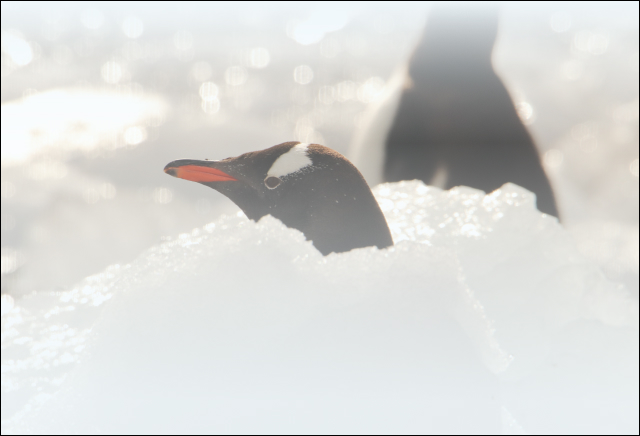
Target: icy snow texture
(482, 318)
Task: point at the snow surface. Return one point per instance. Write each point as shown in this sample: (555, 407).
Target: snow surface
(483, 318)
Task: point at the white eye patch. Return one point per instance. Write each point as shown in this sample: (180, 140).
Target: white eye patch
(292, 161)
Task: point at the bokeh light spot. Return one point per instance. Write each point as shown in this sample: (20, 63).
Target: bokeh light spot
(91, 195)
(18, 50)
(208, 91)
(10, 260)
(592, 43)
(303, 74)
(135, 135)
(370, 90)
(560, 22)
(327, 94)
(162, 195)
(111, 72)
(553, 159)
(132, 27)
(525, 112)
(259, 57)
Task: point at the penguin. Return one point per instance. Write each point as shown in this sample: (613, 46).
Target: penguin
(448, 120)
(308, 187)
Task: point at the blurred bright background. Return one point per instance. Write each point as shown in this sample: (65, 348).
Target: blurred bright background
(98, 96)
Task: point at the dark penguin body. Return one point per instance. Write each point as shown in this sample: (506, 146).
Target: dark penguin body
(308, 187)
(456, 119)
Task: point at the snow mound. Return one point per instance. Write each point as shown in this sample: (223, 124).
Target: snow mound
(482, 318)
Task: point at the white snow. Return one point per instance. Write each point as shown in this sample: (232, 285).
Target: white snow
(291, 162)
(482, 318)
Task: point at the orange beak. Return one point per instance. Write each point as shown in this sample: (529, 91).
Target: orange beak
(196, 173)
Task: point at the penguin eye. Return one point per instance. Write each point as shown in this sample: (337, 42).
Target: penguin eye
(272, 182)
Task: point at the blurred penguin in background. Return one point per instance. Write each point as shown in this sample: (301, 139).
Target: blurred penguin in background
(447, 119)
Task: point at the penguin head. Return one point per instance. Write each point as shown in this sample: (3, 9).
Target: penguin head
(307, 186)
